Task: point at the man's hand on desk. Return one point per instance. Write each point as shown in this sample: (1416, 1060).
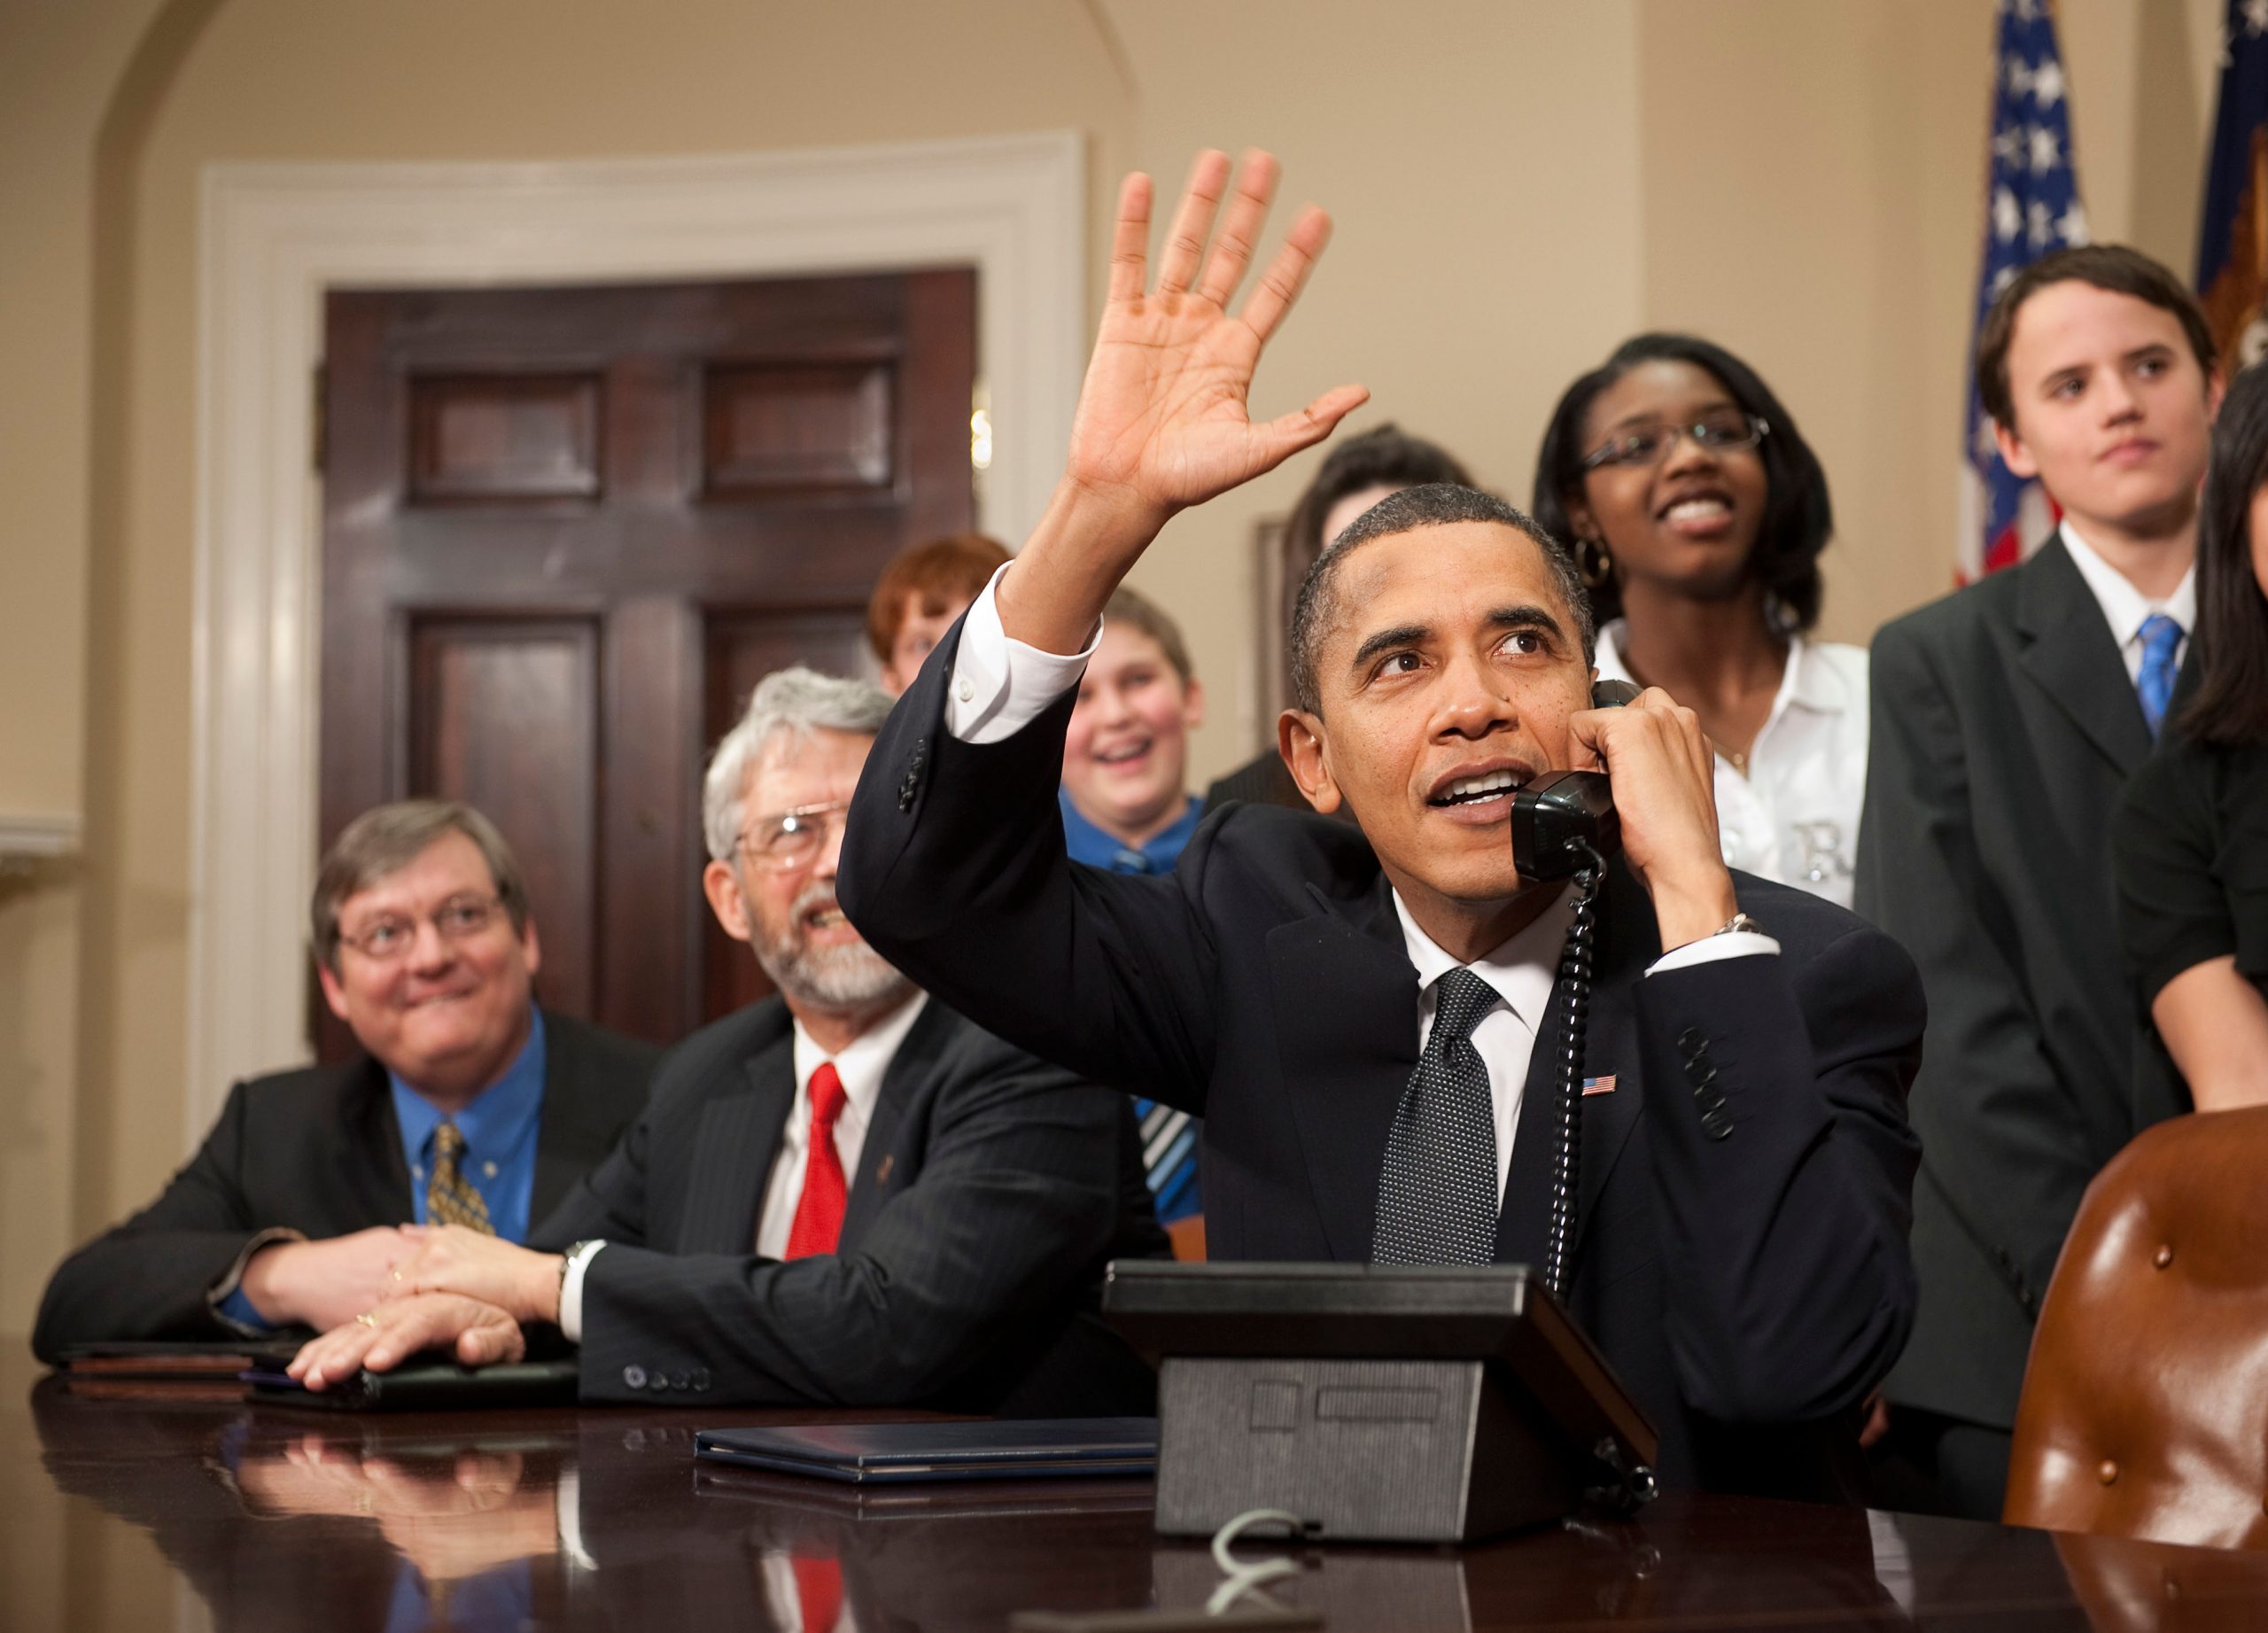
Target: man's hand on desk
(383, 1338)
(450, 1258)
(319, 1283)
(1163, 420)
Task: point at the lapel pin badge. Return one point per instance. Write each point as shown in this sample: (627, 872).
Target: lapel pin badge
(1598, 1085)
(881, 1174)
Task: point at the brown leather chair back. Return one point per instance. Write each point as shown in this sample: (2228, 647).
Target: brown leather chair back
(2145, 1409)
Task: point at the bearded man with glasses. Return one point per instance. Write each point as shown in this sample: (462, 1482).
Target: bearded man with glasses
(844, 1193)
(469, 1105)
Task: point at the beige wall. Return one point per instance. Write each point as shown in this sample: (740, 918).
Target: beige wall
(1518, 184)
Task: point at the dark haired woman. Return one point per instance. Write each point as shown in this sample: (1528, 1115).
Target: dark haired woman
(2189, 840)
(1355, 475)
(1697, 513)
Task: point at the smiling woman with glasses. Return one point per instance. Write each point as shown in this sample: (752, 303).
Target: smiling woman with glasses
(1697, 513)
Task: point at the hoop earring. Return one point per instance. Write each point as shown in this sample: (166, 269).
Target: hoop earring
(1593, 562)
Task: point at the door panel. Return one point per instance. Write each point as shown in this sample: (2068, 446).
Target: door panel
(503, 714)
(565, 530)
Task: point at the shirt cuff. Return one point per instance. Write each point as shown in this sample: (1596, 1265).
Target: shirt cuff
(570, 1289)
(231, 1304)
(999, 686)
(1709, 949)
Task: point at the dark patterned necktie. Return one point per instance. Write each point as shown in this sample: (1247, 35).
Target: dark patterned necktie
(1437, 1190)
(449, 1196)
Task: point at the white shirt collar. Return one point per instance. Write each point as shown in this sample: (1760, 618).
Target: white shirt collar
(860, 1065)
(2125, 607)
(1806, 679)
(1523, 968)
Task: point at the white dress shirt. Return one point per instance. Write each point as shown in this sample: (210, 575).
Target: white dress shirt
(2126, 609)
(998, 686)
(1794, 818)
(860, 1065)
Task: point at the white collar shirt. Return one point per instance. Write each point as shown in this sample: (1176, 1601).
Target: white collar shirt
(1794, 816)
(860, 1065)
(2126, 609)
(1523, 971)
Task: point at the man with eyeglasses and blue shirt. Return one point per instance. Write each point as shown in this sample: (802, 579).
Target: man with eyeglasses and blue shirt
(469, 1106)
(843, 1195)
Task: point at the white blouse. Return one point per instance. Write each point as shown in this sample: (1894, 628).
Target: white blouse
(1794, 818)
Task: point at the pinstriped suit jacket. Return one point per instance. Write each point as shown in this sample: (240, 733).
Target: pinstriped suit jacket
(991, 1191)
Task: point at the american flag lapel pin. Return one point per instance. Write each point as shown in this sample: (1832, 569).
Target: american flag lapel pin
(1598, 1085)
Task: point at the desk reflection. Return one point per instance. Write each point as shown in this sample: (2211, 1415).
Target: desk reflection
(284, 1519)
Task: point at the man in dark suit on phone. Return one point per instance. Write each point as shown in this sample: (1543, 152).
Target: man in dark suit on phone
(845, 1193)
(1367, 1020)
(2007, 717)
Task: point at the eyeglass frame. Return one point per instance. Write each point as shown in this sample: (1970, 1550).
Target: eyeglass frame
(487, 907)
(1602, 457)
(756, 859)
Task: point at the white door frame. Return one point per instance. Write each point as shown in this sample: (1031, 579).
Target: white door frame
(274, 237)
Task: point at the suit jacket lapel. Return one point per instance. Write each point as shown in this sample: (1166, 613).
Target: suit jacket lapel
(739, 1137)
(881, 1174)
(1628, 942)
(573, 1132)
(1347, 1029)
(1624, 921)
(369, 1153)
(2069, 651)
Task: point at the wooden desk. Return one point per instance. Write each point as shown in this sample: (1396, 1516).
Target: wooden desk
(187, 1514)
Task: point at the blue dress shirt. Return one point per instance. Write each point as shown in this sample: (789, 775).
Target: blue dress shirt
(500, 1141)
(500, 1133)
(1086, 842)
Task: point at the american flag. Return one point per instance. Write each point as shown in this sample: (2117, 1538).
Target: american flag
(2233, 241)
(2031, 206)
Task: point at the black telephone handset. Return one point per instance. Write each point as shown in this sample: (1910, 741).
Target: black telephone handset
(1565, 820)
(1565, 827)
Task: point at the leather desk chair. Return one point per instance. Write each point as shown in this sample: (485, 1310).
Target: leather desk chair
(2145, 1409)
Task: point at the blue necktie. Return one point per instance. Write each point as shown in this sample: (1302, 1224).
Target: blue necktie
(2161, 640)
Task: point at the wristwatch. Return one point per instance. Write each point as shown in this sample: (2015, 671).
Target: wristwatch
(1739, 922)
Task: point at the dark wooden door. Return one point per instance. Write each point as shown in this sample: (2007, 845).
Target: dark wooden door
(564, 531)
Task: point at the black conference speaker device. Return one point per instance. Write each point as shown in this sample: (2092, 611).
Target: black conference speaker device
(1405, 1403)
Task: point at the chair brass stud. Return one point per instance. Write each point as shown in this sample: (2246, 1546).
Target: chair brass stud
(2109, 1472)
(2165, 1255)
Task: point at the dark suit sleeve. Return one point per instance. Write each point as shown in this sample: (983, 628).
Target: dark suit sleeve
(2001, 1131)
(147, 1278)
(1017, 1198)
(2173, 910)
(1790, 1281)
(954, 869)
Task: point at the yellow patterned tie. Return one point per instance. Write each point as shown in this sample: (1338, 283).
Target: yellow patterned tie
(449, 1197)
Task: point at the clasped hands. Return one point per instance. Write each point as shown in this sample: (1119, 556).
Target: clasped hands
(453, 1286)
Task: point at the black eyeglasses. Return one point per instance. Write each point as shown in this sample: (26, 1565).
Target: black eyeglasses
(1725, 432)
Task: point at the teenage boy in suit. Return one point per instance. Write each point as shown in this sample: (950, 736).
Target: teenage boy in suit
(2005, 719)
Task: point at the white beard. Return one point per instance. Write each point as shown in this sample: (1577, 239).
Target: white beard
(853, 977)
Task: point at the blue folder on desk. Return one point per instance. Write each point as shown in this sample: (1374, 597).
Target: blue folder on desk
(886, 1453)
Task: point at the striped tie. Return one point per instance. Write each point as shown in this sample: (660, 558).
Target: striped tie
(449, 1196)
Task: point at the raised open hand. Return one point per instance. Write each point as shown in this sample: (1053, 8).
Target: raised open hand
(1164, 419)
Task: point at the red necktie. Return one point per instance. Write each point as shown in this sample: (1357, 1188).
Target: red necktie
(819, 1582)
(819, 1210)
